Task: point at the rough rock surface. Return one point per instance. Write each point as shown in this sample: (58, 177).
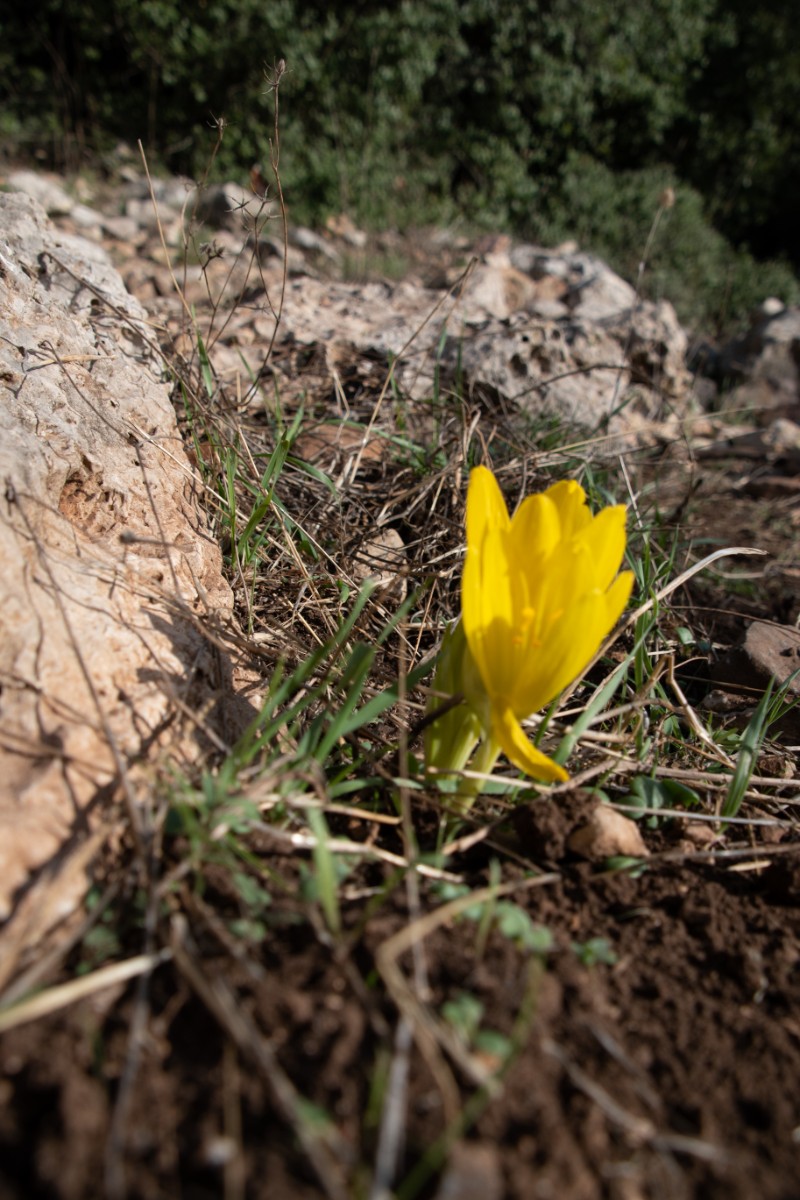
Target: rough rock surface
(551, 333)
(765, 363)
(606, 834)
(106, 559)
(497, 333)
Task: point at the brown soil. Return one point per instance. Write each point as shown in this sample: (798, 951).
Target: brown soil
(668, 1068)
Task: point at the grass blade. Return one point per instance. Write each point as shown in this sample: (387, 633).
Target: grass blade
(747, 757)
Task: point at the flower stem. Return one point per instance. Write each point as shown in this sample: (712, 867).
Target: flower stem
(482, 763)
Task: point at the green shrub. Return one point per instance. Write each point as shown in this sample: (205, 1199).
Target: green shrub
(711, 283)
(520, 114)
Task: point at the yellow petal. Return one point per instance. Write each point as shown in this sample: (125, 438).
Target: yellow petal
(488, 591)
(486, 608)
(535, 529)
(573, 511)
(570, 645)
(486, 508)
(605, 539)
(509, 735)
(617, 597)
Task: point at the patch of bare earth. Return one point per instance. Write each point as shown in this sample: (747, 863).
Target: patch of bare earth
(669, 1071)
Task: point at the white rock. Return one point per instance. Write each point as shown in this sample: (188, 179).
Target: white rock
(606, 835)
(86, 218)
(96, 635)
(499, 289)
(600, 295)
(52, 197)
(121, 228)
(782, 327)
(307, 239)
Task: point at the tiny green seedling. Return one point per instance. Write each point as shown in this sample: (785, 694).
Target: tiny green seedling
(595, 952)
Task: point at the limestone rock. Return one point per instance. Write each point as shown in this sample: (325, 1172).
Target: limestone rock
(553, 333)
(773, 323)
(500, 289)
(307, 239)
(54, 199)
(107, 566)
(598, 293)
(88, 220)
(766, 362)
(607, 834)
(341, 226)
(553, 367)
(656, 347)
(228, 206)
(122, 229)
(549, 368)
(474, 1172)
(382, 559)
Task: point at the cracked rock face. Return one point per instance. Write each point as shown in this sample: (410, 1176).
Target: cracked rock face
(106, 560)
(553, 334)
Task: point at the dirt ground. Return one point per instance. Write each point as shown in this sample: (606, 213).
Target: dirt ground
(667, 1068)
(647, 1021)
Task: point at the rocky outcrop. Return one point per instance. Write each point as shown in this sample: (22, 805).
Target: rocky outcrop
(764, 364)
(553, 334)
(108, 566)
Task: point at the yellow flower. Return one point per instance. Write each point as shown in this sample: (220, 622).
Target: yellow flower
(540, 591)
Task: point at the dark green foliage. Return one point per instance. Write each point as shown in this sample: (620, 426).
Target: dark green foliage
(534, 116)
(742, 148)
(710, 283)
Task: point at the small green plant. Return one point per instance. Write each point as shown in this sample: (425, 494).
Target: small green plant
(465, 1014)
(597, 951)
(326, 877)
(648, 795)
(510, 920)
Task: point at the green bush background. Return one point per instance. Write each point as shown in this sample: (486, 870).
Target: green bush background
(554, 119)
